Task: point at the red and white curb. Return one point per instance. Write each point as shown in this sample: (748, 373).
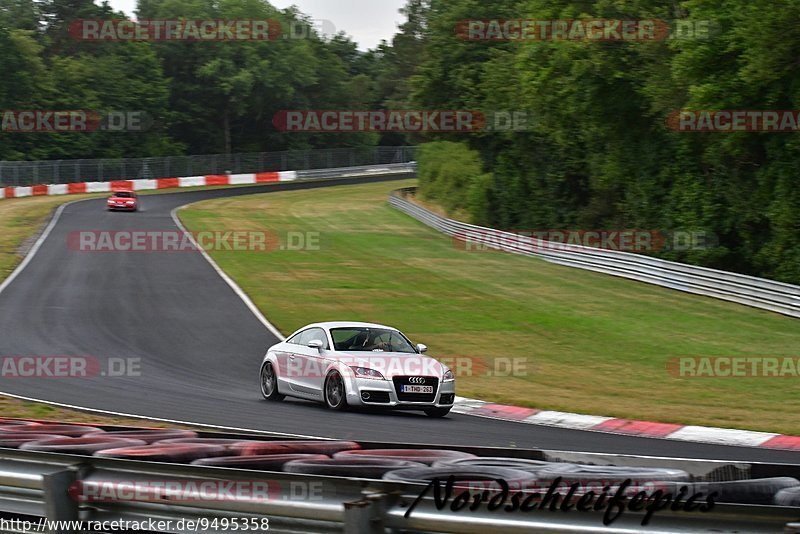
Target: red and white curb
(143, 185)
(612, 425)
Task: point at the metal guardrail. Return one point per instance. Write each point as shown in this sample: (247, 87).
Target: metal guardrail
(26, 173)
(358, 172)
(748, 290)
(38, 485)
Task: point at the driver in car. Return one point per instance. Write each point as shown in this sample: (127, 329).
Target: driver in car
(372, 342)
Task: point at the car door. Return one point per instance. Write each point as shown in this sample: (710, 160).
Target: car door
(311, 362)
(284, 354)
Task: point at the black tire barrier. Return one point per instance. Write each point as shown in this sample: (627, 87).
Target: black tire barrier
(260, 448)
(599, 476)
(13, 440)
(423, 456)
(523, 464)
(348, 467)
(788, 497)
(155, 434)
(70, 431)
(753, 491)
(87, 444)
(473, 478)
(269, 462)
(179, 453)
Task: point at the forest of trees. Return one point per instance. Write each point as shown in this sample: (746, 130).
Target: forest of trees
(597, 155)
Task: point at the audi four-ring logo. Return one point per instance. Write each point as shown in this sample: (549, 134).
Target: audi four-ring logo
(416, 380)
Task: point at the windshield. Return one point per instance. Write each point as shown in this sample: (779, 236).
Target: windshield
(123, 194)
(370, 339)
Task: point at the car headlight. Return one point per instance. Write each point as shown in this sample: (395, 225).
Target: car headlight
(366, 372)
(130, 202)
(448, 376)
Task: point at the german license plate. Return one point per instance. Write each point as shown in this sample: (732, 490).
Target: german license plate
(407, 388)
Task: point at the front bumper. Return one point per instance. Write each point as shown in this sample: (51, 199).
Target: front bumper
(383, 393)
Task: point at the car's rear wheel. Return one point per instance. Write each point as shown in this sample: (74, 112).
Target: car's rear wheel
(335, 394)
(269, 383)
(437, 412)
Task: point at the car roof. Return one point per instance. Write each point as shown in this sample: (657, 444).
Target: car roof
(346, 324)
(123, 191)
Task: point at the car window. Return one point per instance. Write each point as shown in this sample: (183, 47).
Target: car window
(303, 338)
(295, 339)
(124, 194)
(316, 333)
(370, 339)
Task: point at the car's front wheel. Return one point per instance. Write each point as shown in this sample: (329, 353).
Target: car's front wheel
(269, 383)
(437, 412)
(335, 394)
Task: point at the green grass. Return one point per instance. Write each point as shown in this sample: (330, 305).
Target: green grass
(593, 343)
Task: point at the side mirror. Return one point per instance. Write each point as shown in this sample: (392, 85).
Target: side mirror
(316, 344)
(422, 348)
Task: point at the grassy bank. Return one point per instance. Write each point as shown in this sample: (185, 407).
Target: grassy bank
(592, 343)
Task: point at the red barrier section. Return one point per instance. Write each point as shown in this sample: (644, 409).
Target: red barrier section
(70, 431)
(167, 183)
(154, 435)
(75, 188)
(258, 448)
(15, 439)
(217, 179)
(88, 444)
(125, 185)
(7, 421)
(39, 190)
(425, 456)
(9, 192)
(227, 443)
(267, 462)
(174, 452)
(264, 177)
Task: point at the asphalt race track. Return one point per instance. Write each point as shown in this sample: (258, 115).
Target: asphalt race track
(200, 346)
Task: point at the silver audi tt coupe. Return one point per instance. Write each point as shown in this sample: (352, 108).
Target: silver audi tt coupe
(357, 364)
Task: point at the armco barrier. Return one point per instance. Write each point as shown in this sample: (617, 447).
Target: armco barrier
(65, 487)
(748, 290)
(211, 180)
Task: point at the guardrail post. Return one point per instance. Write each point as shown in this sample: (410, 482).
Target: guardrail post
(58, 504)
(365, 516)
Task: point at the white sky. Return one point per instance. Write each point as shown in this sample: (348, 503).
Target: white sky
(366, 21)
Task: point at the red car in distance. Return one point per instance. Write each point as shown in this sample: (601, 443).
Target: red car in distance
(123, 200)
